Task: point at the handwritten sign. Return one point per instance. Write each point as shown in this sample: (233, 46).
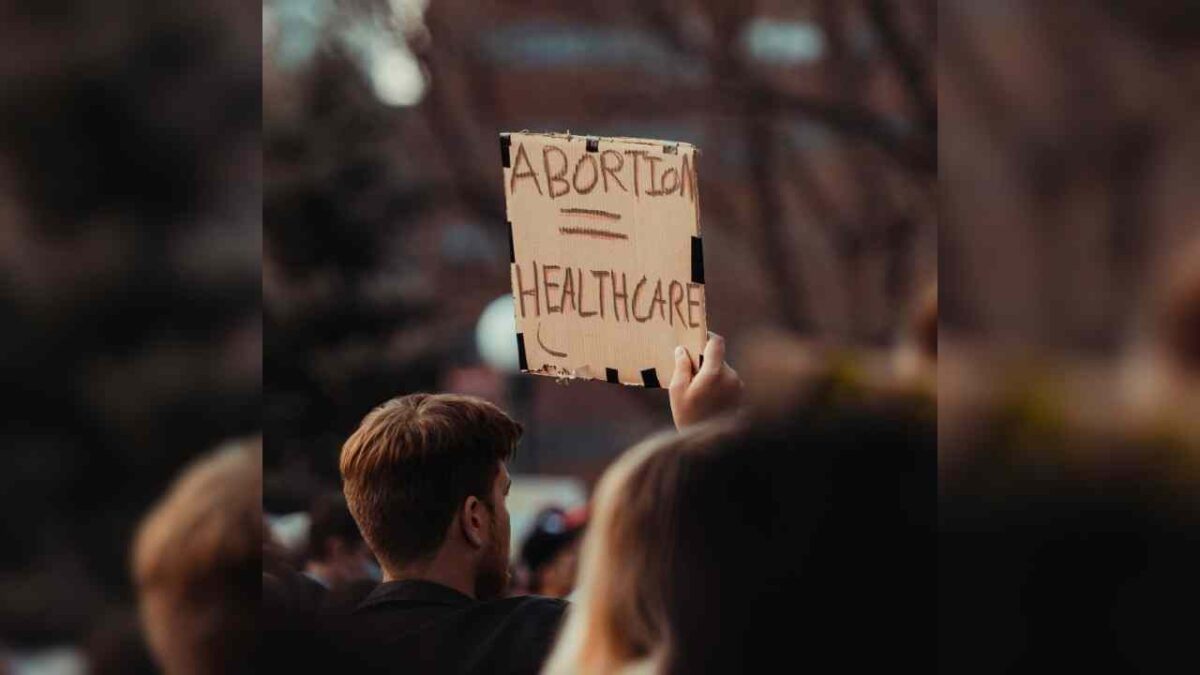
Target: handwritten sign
(606, 256)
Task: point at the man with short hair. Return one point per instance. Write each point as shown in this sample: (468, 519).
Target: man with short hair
(426, 477)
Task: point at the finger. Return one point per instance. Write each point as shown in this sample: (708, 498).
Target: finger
(731, 375)
(734, 385)
(714, 356)
(682, 376)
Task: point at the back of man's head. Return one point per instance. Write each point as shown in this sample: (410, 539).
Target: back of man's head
(413, 461)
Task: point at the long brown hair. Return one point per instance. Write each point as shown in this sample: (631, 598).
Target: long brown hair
(713, 550)
(622, 615)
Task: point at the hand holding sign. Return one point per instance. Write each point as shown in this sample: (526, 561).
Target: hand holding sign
(607, 263)
(715, 389)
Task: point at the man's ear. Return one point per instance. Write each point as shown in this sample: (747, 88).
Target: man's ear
(473, 521)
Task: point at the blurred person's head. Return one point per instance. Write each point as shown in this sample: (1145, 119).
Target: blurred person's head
(551, 550)
(1066, 542)
(916, 356)
(1177, 320)
(426, 478)
(1163, 377)
(197, 563)
(337, 554)
(732, 543)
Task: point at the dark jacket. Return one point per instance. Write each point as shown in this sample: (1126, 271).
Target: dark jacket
(423, 627)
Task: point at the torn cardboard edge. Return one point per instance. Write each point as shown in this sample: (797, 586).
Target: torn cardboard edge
(592, 143)
(565, 375)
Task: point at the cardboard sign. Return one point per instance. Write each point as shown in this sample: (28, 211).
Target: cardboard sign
(606, 256)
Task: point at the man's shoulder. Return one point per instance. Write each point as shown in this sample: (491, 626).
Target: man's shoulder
(520, 629)
(530, 603)
(522, 620)
(521, 610)
(537, 605)
(531, 612)
(506, 635)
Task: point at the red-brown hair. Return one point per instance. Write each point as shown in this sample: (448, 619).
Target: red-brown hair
(413, 461)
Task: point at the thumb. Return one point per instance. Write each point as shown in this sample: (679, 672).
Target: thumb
(682, 377)
(714, 356)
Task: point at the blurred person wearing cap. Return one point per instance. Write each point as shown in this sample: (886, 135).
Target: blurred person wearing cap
(426, 479)
(550, 552)
(197, 563)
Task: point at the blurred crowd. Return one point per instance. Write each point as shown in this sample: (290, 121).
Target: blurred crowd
(130, 291)
(982, 394)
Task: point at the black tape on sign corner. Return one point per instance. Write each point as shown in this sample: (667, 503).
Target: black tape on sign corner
(697, 260)
(610, 374)
(521, 360)
(505, 142)
(512, 251)
(650, 379)
(593, 145)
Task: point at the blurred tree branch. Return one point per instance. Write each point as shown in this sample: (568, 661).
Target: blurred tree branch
(906, 60)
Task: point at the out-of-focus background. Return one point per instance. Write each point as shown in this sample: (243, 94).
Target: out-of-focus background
(385, 236)
(1069, 246)
(1067, 161)
(1069, 365)
(130, 294)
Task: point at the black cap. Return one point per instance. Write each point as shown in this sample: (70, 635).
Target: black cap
(553, 530)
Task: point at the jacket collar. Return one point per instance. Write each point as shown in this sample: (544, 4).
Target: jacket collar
(417, 592)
